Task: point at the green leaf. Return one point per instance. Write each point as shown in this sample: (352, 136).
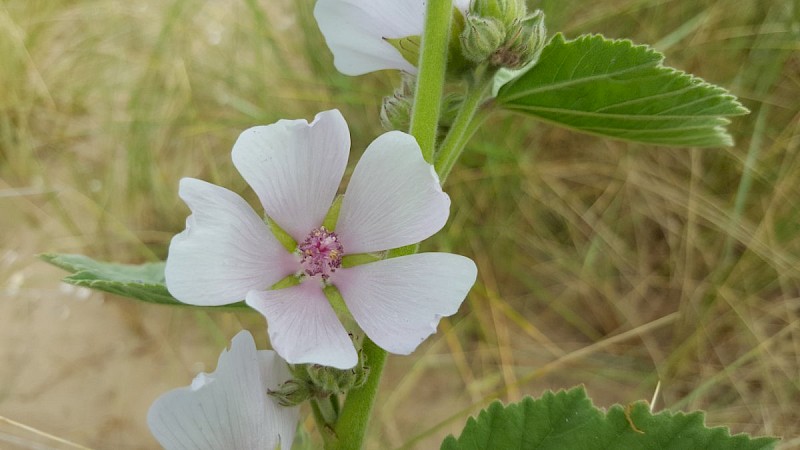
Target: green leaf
(143, 282)
(616, 89)
(568, 420)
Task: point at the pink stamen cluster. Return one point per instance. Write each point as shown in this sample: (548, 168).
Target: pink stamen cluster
(321, 253)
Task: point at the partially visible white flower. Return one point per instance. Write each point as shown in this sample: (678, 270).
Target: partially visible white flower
(228, 408)
(356, 31)
(227, 253)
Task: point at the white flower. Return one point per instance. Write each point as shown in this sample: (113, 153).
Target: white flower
(229, 408)
(356, 31)
(228, 253)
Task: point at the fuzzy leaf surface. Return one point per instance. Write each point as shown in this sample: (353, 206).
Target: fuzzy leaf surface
(617, 89)
(568, 419)
(144, 282)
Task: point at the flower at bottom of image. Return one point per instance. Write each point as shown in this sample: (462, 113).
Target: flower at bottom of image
(229, 408)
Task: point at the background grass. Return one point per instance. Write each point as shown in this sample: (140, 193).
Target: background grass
(605, 263)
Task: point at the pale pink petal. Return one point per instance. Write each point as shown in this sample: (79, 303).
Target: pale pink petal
(295, 168)
(398, 302)
(229, 408)
(225, 251)
(303, 328)
(355, 31)
(393, 199)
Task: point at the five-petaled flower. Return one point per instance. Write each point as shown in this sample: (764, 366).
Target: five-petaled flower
(229, 408)
(356, 31)
(228, 253)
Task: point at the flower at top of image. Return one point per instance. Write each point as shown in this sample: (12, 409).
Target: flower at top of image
(228, 408)
(228, 253)
(357, 32)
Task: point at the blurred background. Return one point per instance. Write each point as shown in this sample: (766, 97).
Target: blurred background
(610, 264)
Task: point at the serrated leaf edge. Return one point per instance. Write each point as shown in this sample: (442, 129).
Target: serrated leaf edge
(472, 421)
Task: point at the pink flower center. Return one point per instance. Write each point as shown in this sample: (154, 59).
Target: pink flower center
(321, 253)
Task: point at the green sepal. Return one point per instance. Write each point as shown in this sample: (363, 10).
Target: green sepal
(336, 301)
(333, 213)
(282, 236)
(291, 280)
(408, 47)
(359, 259)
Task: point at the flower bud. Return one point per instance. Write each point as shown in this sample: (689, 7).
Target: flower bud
(395, 113)
(292, 393)
(451, 105)
(524, 44)
(332, 380)
(536, 35)
(508, 12)
(329, 380)
(396, 108)
(482, 36)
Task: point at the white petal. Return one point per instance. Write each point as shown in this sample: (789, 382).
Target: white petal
(295, 168)
(303, 328)
(274, 372)
(462, 5)
(230, 409)
(355, 31)
(398, 302)
(225, 251)
(394, 198)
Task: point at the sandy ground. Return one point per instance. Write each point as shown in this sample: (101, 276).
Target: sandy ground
(74, 363)
(84, 366)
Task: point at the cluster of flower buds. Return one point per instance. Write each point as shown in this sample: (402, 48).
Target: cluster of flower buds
(315, 380)
(502, 33)
(396, 108)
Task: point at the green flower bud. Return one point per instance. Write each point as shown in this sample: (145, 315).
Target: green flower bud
(328, 380)
(292, 393)
(482, 36)
(396, 108)
(536, 33)
(331, 380)
(508, 12)
(525, 43)
(395, 113)
(451, 105)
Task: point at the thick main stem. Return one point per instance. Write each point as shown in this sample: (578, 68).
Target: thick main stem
(430, 80)
(351, 427)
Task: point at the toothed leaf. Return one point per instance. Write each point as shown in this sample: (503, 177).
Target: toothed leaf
(143, 282)
(567, 419)
(617, 89)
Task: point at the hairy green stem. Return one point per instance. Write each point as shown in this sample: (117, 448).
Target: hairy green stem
(430, 81)
(357, 410)
(351, 427)
(465, 125)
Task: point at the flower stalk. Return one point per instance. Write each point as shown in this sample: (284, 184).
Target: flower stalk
(430, 81)
(467, 122)
(351, 426)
